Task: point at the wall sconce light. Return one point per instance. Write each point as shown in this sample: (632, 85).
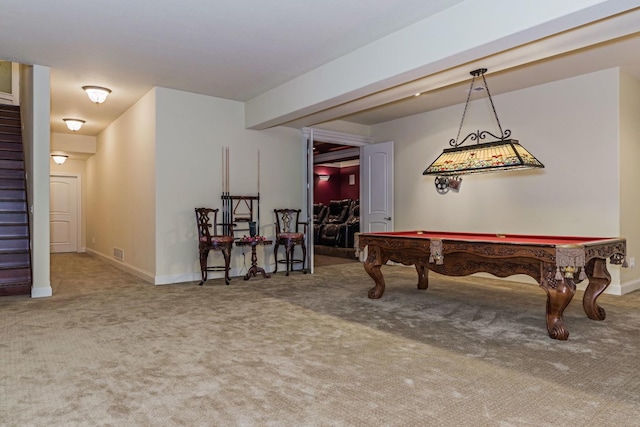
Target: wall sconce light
(324, 177)
(59, 158)
(502, 155)
(97, 94)
(74, 124)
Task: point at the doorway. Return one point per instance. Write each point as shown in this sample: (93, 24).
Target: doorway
(333, 177)
(64, 213)
(336, 195)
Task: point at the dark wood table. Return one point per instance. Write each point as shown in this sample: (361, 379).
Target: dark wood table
(254, 269)
(556, 263)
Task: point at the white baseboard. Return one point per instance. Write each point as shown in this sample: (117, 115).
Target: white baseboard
(41, 292)
(144, 275)
(182, 278)
(630, 286)
(170, 278)
(234, 273)
(615, 289)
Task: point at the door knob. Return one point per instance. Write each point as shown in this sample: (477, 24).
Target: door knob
(388, 218)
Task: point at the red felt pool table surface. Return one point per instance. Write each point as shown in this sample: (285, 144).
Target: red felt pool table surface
(496, 238)
(555, 262)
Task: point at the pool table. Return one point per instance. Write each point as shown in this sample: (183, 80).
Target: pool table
(556, 263)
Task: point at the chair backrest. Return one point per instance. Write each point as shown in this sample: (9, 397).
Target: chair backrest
(338, 211)
(354, 215)
(319, 212)
(208, 226)
(288, 220)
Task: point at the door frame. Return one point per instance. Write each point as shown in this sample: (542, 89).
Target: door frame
(334, 137)
(79, 247)
(13, 97)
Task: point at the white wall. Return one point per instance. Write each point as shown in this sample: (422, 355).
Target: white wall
(630, 174)
(121, 188)
(161, 159)
(571, 126)
(69, 143)
(192, 129)
(345, 127)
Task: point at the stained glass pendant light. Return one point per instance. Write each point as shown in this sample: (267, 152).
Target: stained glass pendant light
(500, 155)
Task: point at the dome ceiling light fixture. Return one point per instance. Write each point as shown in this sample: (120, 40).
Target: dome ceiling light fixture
(502, 155)
(97, 94)
(59, 158)
(74, 124)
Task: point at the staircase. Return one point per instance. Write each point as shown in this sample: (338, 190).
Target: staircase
(15, 257)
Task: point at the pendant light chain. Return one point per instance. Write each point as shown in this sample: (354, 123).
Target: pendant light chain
(502, 135)
(454, 143)
(477, 136)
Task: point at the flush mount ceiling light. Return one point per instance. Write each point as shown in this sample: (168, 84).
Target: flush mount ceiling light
(97, 94)
(502, 155)
(74, 124)
(59, 158)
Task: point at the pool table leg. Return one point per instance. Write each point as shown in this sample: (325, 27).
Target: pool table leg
(559, 295)
(599, 279)
(423, 276)
(372, 267)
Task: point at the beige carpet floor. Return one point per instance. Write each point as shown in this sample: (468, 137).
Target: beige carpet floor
(310, 350)
(325, 261)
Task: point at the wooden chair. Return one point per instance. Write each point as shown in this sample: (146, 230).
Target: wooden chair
(209, 239)
(290, 232)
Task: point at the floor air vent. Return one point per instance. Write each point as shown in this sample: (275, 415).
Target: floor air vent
(118, 254)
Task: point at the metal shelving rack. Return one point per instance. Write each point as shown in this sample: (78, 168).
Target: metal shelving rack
(238, 210)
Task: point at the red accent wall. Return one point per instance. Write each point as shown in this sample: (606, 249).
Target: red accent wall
(348, 190)
(338, 186)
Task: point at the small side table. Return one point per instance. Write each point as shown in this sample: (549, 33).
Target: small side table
(254, 269)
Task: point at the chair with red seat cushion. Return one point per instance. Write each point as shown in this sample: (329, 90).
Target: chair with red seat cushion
(290, 232)
(215, 236)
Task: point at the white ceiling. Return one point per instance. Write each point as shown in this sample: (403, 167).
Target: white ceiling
(234, 50)
(623, 52)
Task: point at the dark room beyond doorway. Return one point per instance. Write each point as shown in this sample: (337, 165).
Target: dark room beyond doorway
(336, 193)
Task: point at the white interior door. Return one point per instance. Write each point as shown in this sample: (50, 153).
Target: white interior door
(376, 204)
(63, 213)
